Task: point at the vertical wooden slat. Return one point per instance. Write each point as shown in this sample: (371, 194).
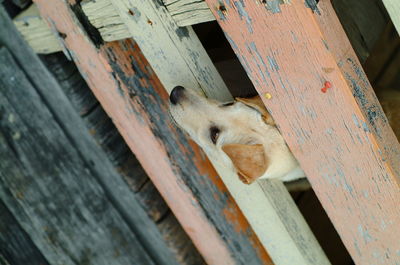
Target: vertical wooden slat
(341, 138)
(131, 94)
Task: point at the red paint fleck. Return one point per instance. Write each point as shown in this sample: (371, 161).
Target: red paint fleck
(327, 85)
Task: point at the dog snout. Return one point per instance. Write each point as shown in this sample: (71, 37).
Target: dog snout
(176, 94)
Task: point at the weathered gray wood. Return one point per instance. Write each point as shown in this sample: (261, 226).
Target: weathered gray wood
(96, 120)
(124, 200)
(16, 247)
(48, 187)
(102, 129)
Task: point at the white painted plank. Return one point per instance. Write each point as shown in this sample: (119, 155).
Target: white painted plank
(102, 15)
(189, 12)
(393, 8)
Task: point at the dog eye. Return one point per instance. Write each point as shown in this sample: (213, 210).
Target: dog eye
(214, 133)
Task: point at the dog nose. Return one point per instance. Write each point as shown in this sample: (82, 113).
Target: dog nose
(176, 94)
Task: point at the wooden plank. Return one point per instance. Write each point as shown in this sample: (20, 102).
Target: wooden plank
(13, 239)
(188, 12)
(152, 41)
(36, 32)
(341, 138)
(47, 187)
(393, 8)
(120, 76)
(354, 14)
(93, 157)
(102, 15)
(101, 128)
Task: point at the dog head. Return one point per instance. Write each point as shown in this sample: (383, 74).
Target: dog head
(239, 134)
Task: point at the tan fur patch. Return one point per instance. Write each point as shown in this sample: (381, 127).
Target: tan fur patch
(249, 160)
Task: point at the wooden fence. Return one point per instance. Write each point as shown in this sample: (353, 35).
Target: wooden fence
(290, 50)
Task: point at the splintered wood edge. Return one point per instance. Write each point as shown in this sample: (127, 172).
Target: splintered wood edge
(103, 16)
(36, 31)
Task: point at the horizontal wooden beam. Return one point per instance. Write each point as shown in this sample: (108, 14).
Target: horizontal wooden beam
(103, 16)
(132, 95)
(189, 12)
(340, 135)
(36, 31)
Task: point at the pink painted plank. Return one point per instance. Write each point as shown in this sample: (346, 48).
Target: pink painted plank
(341, 137)
(132, 95)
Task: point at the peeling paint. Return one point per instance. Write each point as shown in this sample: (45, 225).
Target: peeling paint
(240, 6)
(272, 63)
(325, 44)
(135, 14)
(364, 234)
(312, 4)
(221, 14)
(182, 32)
(273, 6)
(231, 42)
(151, 104)
(355, 120)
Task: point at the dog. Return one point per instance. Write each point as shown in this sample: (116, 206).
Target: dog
(241, 135)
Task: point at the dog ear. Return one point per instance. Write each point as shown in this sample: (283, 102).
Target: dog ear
(257, 104)
(249, 160)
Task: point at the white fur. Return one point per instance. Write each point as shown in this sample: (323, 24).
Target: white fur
(239, 124)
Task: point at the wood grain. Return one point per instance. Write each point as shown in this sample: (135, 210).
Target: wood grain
(174, 53)
(341, 138)
(48, 188)
(36, 32)
(13, 239)
(131, 94)
(157, 38)
(90, 153)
